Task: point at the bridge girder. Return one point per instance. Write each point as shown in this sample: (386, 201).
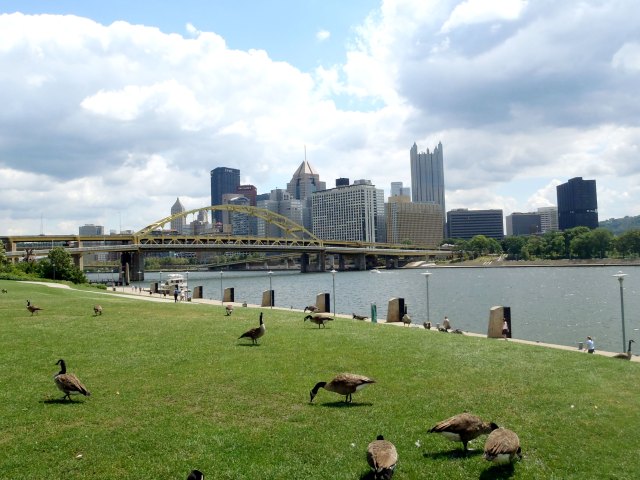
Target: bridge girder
(285, 224)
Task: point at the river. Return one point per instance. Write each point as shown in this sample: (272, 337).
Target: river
(560, 305)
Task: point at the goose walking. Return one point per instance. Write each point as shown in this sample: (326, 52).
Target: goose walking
(319, 319)
(97, 309)
(32, 308)
(382, 457)
(255, 333)
(343, 384)
(310, 308)
(68, 382)
(406, 319)
(502, 446)
(427, 325)
(359, 317)
(625, 356)
(463, 427)
(195, 475)
(228, 309)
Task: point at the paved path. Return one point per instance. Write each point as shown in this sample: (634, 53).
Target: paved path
(135, 294)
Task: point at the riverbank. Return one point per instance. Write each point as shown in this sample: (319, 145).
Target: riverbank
(132, 292)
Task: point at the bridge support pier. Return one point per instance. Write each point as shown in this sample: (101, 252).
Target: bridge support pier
(78, 261)
(391, 262)
(132, 267)
(360, 261)
(304, 263)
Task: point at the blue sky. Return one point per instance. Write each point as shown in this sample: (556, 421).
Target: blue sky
(111, 110)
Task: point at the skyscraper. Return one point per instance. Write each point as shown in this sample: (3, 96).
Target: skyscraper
(548, 219)
(427, 176)
(223, 180)
(303, 184)
(178, 224)
(577, 204)
(466, 224)
(280, 202)
(413, 223)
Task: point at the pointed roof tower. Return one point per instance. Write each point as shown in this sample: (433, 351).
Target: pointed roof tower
(305, 181)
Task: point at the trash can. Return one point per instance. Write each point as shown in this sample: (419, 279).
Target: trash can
(374, 313)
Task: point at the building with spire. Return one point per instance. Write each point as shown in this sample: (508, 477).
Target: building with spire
(178, 224)
(427, 176)
(303, 184)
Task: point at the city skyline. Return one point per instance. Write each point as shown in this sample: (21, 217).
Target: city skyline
(111, 111)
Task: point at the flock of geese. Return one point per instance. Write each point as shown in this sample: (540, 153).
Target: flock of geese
(502, 445)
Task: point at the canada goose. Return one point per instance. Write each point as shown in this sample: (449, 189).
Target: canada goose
(228, 310)
(255, 333)
(32, 308)
(4, 290)
(406, 319)
(310, 308)
(68, 382)
(446, 324)
(502, 446)
(319, 318)
(458, 331)
(427, 325)
(359, 317)
(344, 384)
(442, 329)
(625, 356)
(382, 457)
(463, 427)
(195, 475)
(97, 309)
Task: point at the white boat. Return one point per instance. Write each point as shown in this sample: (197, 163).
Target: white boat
(375, 270)
(172, 281)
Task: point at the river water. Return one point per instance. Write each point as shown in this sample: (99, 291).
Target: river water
(560, 305)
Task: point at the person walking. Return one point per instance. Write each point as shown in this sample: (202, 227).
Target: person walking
(505, 329)
(176, 292)
(591, 347)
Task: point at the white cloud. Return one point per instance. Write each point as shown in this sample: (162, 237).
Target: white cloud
(483, 11)
(322, 35)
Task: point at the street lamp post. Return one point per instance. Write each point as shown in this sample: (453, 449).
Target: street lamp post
(427, 275)
(160, 283)
(620, 276)
(187, 286)
(333, 281)
(140, 280)
(270, 273)
(221, 294)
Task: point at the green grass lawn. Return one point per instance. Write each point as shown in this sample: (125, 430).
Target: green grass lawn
(172, 389)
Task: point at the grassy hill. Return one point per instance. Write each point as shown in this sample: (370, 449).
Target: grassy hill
(172, 388)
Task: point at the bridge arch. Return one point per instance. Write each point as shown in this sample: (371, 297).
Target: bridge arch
(285, 224)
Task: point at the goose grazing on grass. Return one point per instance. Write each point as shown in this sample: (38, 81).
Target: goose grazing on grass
(97, 309)
(255, 333)
(343, 384)
(406, 319)
(32, 308)
(228, 309)
(625, 356)
(502, 446)
(310, 308)
(319, 319)
(195, 475)
(68, 382)
(359, 317)
(382, 457)
(463, 427)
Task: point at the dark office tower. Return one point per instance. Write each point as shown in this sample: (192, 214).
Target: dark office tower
(427, 176)
(342, 182)
(223, 180)
(577, 204)
(249, 191)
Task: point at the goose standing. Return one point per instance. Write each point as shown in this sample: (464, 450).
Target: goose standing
(343, 384)
(310, 308)
(406, 319)
(97, 309)
(382, 457)
(427, 325)
(228, 310)
(502, 446)
(625, 356)
(254, 333)
(68, 382)
(195, 475)
(463, 427)
(32, 308)
(319, 318)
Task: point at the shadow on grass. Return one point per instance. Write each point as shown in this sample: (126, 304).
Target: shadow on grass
(455, 453)
(62, 401)
(498, 472)
(368, 476)
(341, 404)
(248, 345)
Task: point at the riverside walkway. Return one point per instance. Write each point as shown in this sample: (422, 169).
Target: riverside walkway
(136, 294)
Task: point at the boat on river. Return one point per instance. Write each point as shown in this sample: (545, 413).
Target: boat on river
(173, 280)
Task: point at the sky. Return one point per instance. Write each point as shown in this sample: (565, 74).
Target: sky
(112, 110)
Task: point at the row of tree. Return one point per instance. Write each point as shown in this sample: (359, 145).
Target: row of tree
(58, 265)
(578, 242)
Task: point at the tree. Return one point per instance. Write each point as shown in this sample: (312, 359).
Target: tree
(4, 261)
(512, 246)
(601, 240)
(59, 266)
(628, 244)
(582, 246)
